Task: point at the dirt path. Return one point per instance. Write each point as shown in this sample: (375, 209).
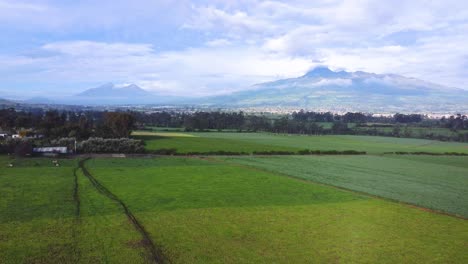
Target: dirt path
(155, 253)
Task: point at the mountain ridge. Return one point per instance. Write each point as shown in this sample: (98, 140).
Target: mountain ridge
(110, 90)
(322, 88)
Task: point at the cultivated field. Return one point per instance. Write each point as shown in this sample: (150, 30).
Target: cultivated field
(199, 210)
(249, 142)
(435, 182)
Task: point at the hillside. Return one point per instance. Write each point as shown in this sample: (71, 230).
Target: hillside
(324, 89)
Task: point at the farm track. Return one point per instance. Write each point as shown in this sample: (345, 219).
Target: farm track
(76, 195)
(156, 255)
(76, 199)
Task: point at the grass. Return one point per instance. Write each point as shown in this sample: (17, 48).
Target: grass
(36, 213)
(161, 134)
(205, 144)
(38, 222)
(209, 212)
(249, 142)
(439, 183)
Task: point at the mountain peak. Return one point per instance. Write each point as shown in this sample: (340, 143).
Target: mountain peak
(325, 72)
(111, 90)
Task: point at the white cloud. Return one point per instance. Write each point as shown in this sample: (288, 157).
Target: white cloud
(221, 45)
(202, 71)
(218, 42)
(98, 49)
(16, 6)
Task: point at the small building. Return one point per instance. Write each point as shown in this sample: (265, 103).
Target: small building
(51, 150)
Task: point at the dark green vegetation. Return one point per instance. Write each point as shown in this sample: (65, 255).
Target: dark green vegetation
(250, 142)
(453, 128)
(439, 183)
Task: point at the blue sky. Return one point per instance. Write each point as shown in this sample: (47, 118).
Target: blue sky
(61, 47)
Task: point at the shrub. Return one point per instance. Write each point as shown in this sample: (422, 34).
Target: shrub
(64, 142)
(171, 151)
(111, 145)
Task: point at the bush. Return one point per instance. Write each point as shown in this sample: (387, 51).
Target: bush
(64, 142)
(171, 151)
(17, 146)
(23, 149)
(219, 152)
(274, 152)
(111, 145)
(330, 152)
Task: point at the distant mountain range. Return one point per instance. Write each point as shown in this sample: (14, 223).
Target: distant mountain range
(6, 102)
(321, 89)
(109, 94)
(109, 90)
(324, 89)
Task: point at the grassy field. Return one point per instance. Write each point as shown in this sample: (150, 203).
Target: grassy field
(439, 183)
(249, 142)
(209, 211)
(40, 221)
(36, 212)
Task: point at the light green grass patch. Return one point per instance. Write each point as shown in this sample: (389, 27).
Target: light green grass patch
(161, 134)
(249, 142)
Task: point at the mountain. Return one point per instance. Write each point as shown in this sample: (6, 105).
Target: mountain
(5, 102)
(39, 100)
(110, 94)
(325, 90)
(109, 90)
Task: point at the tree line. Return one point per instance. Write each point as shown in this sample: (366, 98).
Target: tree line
(81, 125)
(67, 124)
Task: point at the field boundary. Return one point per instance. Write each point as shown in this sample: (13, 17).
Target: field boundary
(435, 211)
(156, 254)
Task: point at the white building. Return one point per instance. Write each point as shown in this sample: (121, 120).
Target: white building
(57, 150)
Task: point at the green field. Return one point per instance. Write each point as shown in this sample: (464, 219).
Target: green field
(210, 211)
(414, 131)
(40, 221)
(36, 212)
(249, 142)
(435, 182)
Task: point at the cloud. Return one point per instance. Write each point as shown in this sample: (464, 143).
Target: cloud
(202, 71)
(217, 46)
(98, 49)
(218, 42)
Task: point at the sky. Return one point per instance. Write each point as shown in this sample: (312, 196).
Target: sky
(198, 48)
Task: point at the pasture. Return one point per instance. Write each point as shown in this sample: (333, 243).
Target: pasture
(249, 142)
(199, 210)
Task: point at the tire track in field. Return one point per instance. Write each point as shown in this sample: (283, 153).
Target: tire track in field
(76, 195)
(76, 199)
(156, 254)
